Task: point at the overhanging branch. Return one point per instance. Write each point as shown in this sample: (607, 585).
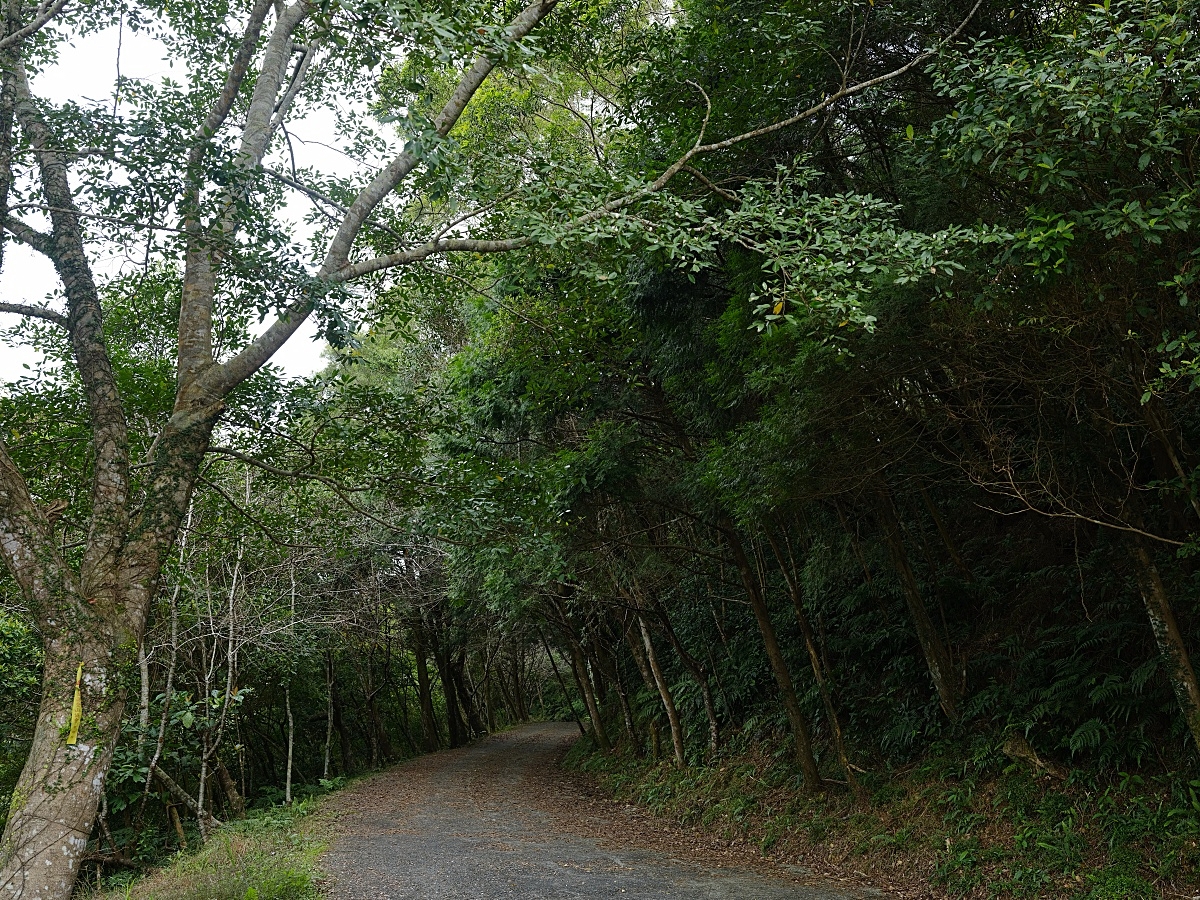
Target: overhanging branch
(37, 312)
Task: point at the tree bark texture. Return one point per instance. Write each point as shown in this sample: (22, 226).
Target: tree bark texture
(1168, 637)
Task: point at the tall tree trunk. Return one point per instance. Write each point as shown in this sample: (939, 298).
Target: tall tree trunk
(291, 742)
(699, 675)
(467, 699)
(783, 678)
(563, 684)
(664, 692)
(1167, 635)
(328, 710)
(522, 710)
(143, 696)
(95, 620)
(339, 722)
(937, 657)
(429, 729)
(614, 673)
(455, 726)
(59, 790)
(589, 696)
(814, 659)
(947, 539)
(237, 805)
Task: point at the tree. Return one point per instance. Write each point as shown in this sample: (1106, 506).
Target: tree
(215, 199)
(92, 613)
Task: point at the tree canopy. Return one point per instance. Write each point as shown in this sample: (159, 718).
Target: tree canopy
(817, 376)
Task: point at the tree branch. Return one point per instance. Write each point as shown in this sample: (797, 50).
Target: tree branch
(30, 237)
(110, 439)
(38, 312)
(233, 82)
(45, 14)
(399, 168)
(251, 519)
(220, 380)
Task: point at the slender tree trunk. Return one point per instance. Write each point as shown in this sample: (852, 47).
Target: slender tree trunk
(614, 673)
(204, 816)
(563, 684)
(429, 730)
(783, 678)
(664, 692)
(589, 696)
(455, 725)
(179, 833)
(947, 540)
(467, 699)
(937, 658)
(339, 722)
(519, 688)
(699, 675)
(237, 805)
(143, 696)
(819, 673)
(291, 741)
(489, 702)
(328, 711)
(1169, 639)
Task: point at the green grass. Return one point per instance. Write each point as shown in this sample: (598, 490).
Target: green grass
(269, 856)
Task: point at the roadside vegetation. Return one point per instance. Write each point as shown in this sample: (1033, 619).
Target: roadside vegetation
(942, 827)
(269, 855)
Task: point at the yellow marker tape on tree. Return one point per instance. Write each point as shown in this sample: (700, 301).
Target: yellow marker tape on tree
(76, 710)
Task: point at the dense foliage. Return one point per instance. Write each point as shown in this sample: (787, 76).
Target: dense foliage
(865, 445)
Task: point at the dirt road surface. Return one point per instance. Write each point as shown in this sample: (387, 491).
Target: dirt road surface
(499, 819)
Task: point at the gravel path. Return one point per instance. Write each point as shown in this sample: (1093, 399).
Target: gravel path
(500, 819)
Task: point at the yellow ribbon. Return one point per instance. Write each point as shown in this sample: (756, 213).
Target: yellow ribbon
(76, 710)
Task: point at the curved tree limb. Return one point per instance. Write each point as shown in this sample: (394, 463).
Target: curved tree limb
(37, 312)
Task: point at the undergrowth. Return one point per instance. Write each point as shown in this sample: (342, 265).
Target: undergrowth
(986, 828)
(271, 855)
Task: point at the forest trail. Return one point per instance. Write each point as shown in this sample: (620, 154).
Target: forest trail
(499, 819)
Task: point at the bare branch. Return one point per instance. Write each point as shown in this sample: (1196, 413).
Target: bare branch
(38, 312)
(297, 82)
(399, 168)
(251, 519)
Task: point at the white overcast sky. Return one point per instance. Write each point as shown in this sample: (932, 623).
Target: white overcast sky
(90, 69)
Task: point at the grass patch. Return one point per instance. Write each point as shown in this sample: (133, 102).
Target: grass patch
(271, 855)
(990, 830)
